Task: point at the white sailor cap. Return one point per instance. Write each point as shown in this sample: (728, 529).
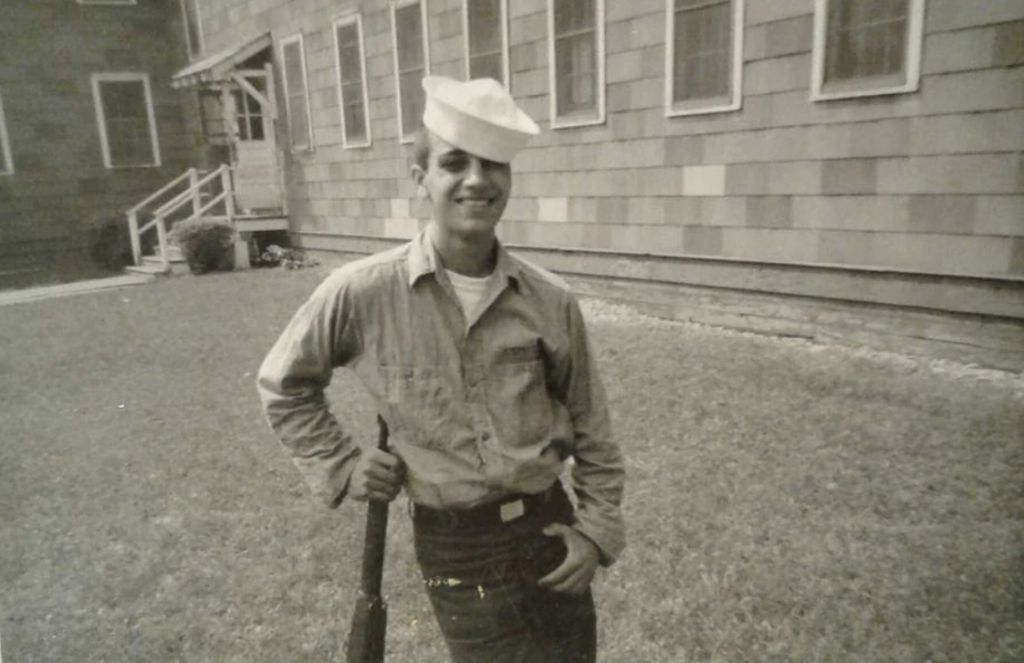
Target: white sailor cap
(478, 116)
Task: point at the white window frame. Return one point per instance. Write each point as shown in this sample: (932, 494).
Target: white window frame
(734, 100)
(107, 2)
(868, 86)
(505, 72)
(199, 48)
(287, 41)
(580, 120)
(345, 21)
(97, 80)
(7, 166)
(395, 6)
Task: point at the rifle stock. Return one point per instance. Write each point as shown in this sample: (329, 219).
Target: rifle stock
(370, 618)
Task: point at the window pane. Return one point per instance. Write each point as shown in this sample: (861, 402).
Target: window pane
(256, 128)
(355, 119)
(241, 122)
(484, 26)
(192, 28)
(5, 164)
(703, 50)
(576, 62)
(409, 34)
(124, 100)
(412, 100)
(865, 38)
(573, 15)
(348, 54)
(351, 74)
(298, 122)
(127, 123)
(486, 66)
(293, 66)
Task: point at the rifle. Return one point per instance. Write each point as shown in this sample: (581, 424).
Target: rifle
(370, 619)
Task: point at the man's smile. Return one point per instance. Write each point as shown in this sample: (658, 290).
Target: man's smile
(476, 201)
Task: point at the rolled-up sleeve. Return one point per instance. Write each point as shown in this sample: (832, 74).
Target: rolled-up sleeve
(599, 473)
(322, 335)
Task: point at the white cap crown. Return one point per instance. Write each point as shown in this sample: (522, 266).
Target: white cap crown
(478, 116)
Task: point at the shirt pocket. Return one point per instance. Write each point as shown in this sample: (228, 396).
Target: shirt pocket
(420, 404)
(518, 400)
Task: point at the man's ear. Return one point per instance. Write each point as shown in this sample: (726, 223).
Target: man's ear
(417, 173)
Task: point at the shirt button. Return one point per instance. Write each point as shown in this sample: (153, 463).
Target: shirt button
(486, 436)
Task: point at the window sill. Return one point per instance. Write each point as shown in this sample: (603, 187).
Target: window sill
(704, 107)
(864, 87)
(577, 120)
(132, 166)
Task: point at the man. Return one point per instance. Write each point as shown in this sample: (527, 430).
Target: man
(480, 365)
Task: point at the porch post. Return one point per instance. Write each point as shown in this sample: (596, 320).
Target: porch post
(229, 192)
(242, 243)
(133, 233)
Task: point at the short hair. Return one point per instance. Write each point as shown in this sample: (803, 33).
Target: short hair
(421, 148)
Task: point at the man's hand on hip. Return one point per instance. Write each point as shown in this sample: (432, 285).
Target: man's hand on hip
(574, 575)
(378, 475)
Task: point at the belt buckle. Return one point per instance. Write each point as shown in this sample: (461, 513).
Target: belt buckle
(509, 511)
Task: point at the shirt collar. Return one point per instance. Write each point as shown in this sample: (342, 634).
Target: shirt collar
(423, 260)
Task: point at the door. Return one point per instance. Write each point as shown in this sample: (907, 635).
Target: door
(254, 157)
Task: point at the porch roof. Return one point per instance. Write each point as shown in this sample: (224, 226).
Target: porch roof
(217, 67)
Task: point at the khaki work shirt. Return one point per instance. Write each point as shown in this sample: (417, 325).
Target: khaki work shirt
(477, 408)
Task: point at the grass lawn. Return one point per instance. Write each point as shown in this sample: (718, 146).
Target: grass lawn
(787, 502)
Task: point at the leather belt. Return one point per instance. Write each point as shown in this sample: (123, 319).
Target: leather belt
(493, 514)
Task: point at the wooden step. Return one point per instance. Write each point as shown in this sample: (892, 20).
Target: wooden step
(173, 255)
(152, 264)
(262, 222)
(148, 269)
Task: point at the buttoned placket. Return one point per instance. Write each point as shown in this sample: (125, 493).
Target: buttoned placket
(473, 372)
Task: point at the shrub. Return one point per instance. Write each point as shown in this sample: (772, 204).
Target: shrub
(110, 244)
(287, 258)
(207, 245)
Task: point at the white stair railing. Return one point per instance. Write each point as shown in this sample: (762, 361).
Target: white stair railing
(192, 195)
(133, 213)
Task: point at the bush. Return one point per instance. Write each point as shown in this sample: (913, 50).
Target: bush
(207, 245)
(110, 244)
(287, 258)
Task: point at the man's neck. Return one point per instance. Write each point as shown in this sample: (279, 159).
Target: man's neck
(469, 256)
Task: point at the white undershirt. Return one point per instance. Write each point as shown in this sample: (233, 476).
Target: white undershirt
(469, 289)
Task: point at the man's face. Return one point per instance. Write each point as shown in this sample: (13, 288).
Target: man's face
(467, 193)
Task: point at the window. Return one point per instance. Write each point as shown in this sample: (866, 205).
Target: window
(193, 28)
(866, 47)
(576, 51)
(412, 62)
(300, 124)
(127, 126)
(6, 162)
(352, 99)
(249, 115)
(704, 57)
(485, 23)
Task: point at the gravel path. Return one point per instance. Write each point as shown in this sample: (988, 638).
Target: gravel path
(600, 311)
